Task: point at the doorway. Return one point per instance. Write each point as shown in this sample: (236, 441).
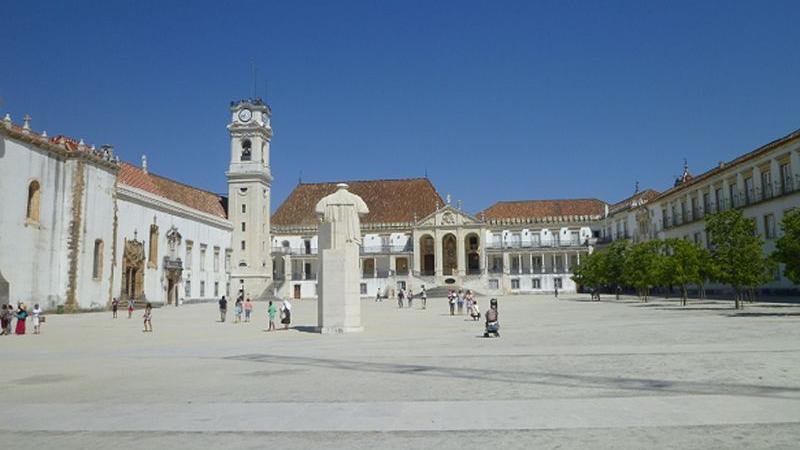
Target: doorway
(296, 292)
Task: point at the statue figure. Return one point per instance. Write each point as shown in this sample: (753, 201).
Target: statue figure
(339, 300)
(342, 210)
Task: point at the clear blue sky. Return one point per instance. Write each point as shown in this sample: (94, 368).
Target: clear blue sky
(496, 100)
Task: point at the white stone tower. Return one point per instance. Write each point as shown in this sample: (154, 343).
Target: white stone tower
(249, 183)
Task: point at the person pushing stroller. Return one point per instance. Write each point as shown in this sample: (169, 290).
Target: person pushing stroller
(492, 320)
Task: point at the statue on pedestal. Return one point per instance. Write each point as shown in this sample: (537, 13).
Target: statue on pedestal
(339, 300)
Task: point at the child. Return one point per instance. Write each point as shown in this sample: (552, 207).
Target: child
(36, 313)
(114, 307)
(148, 313)
(475, 312)
(248, 309)
(237, 311)
(271, 312)
(130, 308)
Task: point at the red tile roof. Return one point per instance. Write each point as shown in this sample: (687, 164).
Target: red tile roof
(389, 201)
(539, 209)
(192, 197)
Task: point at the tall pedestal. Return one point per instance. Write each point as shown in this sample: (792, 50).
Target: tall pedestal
(339, 299)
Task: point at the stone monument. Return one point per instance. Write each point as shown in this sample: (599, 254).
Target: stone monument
(339, 300)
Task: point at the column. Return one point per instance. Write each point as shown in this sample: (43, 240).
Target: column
(392, 265)
(542, 269)
(506, 263)
(758, 191)
(530, 257)
(566, 262)
(416, 262)
(437, 252)
(482, 251)
(461, 258)
(794, 160)
(519, 263)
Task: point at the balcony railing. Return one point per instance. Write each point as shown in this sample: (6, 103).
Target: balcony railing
(408, 248)
(294, 250)
(537, 243)
(375, 249)
(740, 199)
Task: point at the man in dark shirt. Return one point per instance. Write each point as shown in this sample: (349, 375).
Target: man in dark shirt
(492, 316)
(223, 308)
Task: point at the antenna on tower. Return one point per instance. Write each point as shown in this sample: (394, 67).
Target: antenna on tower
(300, 178)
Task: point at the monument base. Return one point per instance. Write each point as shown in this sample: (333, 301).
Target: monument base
(339, 330)
(339, 301)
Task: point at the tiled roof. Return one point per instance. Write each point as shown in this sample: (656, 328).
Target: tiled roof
(638, 198)
(540, 209)
(389, 201)
(739, 160)
(192, 197)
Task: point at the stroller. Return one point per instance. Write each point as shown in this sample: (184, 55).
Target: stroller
(492, 320)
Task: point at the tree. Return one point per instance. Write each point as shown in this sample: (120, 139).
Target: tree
(591, 272)
(787, 248)
(614, 267)
(737, 256)
(639, 267)
(684, 261)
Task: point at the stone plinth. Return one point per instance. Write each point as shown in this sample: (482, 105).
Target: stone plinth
(339, 304)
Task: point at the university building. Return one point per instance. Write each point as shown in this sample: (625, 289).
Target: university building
(78, 227)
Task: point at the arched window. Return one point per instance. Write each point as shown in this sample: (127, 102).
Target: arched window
(247, 151)
(34, 196)
(97, 266)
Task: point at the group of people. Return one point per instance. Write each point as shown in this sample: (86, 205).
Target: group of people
(8, 314)
(408, 296)
(459, 299)
(245, 305)
(147, 317)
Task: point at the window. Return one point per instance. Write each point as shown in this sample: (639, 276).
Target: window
(189, 246)
(34, 200)
(202, 289)
(786, 178)
(202, 258)
(494, 284)
(187, 287)
(698, 237)
(718, 199)
(732, 193)
(307, 246)
(227, 260)
(153, 261)
(97, 266)
(216, 260)
(748, 190)
(664, 220)
(684, 215)
(244, 208)
(708, 239)
(769, 226)
(695, 210)
(243, 245)
(244, 226)
(766, 184)
(247, 151)
(557, 283)
(216, 289)
(537, 283)
(706, 203)
(363, 288)
(515, 283)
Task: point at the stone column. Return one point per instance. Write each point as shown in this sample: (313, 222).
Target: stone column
(438, 255)
(392, 265)
(482, 251)
(461, 258)
(758, 191)
(542, 269)
(416, 260)
(506, 263)
(519, 263)
(566, 262)
(794, 160)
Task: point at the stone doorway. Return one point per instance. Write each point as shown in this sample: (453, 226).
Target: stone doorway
(449, 255)
(133, 270)
(428, 259)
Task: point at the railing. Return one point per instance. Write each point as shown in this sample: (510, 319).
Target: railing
(375, 249)
(537, 243)
(302, 276)
(294, 251)
(409, 247)
(740, 199)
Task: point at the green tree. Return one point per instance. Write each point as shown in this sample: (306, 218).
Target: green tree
(639, 267)
(614, 267)
(591, 272)
(737, 256)
(683, 260)
(787, 248)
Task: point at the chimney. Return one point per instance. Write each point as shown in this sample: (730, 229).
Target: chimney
(26, 124)
(144, 163)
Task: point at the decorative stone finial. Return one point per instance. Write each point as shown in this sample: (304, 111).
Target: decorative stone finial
(7, 119)
(448, 199)
(340, 186)
(144, 163)
(26, 122)
(81, 144)
(44, 133)
(636, 191)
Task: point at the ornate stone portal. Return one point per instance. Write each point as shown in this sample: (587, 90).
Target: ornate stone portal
(173, 266)
(339, 304)
(133, 270)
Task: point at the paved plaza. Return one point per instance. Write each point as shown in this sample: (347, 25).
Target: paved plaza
(566, 373)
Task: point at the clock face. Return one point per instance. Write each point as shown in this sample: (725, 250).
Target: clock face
(245, 115)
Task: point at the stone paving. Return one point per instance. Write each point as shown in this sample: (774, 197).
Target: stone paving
(566, 373)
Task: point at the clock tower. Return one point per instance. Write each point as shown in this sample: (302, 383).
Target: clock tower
(249, 183)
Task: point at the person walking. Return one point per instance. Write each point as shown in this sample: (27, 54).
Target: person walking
(114, 307)
(248, 309)
(223, 308)
(460, 302)
(556, 291)
(451, 299)
(468, 301)
(424, 296)
(36, 317)
(400, 295)
(130, 308)
(22, 315)
(148, 316)
(286, 314)
(410, 297)
(5, 317)
(272, 310)
(237, 310)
